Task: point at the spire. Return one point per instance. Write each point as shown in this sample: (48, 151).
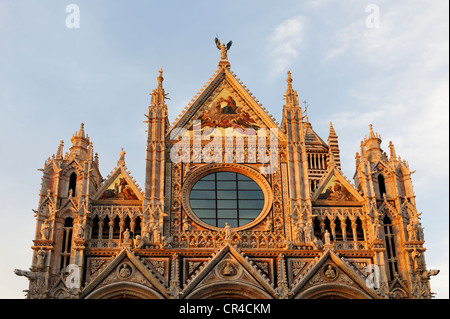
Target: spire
(59, 154)
(333, 146)
(371, 134)
(80, 143)
(291, 95)
(373, 146)
(158, 95)
(393, 155)
(374, 140)
(81, 131)
(332, 133)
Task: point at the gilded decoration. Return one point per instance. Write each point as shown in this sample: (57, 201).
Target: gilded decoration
(335, 191)
(225, 109)
(119, 189)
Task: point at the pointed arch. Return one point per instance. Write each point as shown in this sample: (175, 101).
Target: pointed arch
(333, 291)
(229, 290)
(391, 247)
(381, 185)
(73, 184)
(125, 290)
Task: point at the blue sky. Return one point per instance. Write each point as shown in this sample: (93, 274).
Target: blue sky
(52, 78)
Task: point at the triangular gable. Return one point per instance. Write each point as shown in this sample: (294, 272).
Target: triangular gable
(330, 269)
(117, 269)
(119, 186)
(228, 263)
(380, 166)
(312, 139)
(334, 188)
(225, 103)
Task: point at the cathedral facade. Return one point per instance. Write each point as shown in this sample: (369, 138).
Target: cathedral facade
(234, 205)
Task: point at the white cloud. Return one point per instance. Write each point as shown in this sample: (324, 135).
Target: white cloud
(284, 43)
(405, 95)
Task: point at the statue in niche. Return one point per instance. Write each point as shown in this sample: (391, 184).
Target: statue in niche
(80, 231)
(126, 236)
(298, 233)
(45, 230)
(377, 229)
(147, 237)
(327, 237)
(308, 233)
(416, 257)
(412, 231)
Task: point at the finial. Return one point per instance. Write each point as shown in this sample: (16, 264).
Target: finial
(60, 149)
(392, 151)
(289, 78)
(371, 134)
(81, 131)
(160, 78)
(291, 96)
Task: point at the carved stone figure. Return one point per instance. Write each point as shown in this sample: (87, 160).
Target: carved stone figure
(269, 225)
(308, 232)
(327, 237)
(317, 243)
(330, 273)
(412, 231)
(228, 270)
(416, 257)
(45, 230)
(80, 231)
(186, 225)
(138, 242)
(40, 259)
(377, 230)
(125, 271)
(223, 49)
(126, 236)
(227, 229)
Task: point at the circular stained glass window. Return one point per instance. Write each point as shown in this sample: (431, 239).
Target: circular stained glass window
(226, 197)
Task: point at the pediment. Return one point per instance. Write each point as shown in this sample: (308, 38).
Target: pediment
(334, 189)
(224, 105)
(228, 266)
(125, 267)
(118, 187)
(330, 272)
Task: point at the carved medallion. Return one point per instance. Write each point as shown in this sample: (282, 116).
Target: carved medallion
(330, 272)
(124, 271)
(228, 269)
